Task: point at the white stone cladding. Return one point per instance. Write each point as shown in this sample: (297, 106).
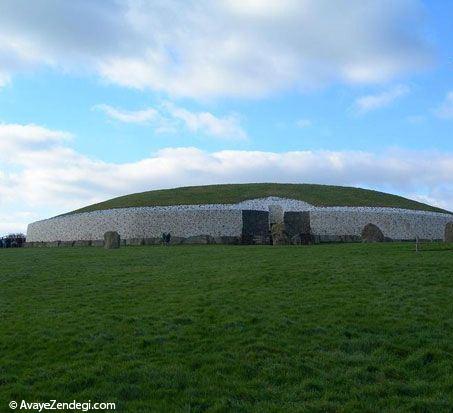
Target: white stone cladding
(137, 223)
(262, 204)
(226, 220)
(397, 224)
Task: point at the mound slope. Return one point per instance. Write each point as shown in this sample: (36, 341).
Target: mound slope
(318, 195)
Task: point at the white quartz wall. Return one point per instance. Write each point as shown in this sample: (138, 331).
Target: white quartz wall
(398, 224)
(137, 223)
(226, 220)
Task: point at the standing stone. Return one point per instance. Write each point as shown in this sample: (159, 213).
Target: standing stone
(448, 235)
(135, 242)
(255, 227)
(111, 240)
(297, 227)
(82, 243)
(152, 241)
(279, 235)
(275, 214)
(372, 233)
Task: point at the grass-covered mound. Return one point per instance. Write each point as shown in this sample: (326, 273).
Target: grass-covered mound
(319, 195)
(346, 327)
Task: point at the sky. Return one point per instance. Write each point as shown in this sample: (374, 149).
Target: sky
(101, 99)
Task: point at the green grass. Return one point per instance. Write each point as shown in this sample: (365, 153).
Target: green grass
(320, 195)
(324, 328)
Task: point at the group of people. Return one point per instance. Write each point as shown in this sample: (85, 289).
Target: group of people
(166, 238)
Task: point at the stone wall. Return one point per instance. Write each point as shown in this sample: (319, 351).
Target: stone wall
(395, 224)
(223, 223)
(137, 223)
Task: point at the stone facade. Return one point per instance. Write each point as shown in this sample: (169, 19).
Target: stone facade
(395, 224)
(137, 223)
(246, 222)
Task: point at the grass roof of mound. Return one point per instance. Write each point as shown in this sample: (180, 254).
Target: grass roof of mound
(319, 195)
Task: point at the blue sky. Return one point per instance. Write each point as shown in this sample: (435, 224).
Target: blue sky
(99, 99)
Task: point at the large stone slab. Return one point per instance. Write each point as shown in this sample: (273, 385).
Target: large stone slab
(255, 227)
(176, 240)
(297, 222)
(302, 239)
(448, 234)
(111, 240)
(199, 239)
(135, 242)
(152, 241)
(372, 233)
(82, 243)
(279, 235)
(227, 240)
(275, 214)
(297, 227)
(66, 244)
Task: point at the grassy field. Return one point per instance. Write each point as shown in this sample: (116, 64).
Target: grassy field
(331, 328)
(320, 195)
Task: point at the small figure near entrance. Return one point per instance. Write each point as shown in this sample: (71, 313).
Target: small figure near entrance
(166, 238)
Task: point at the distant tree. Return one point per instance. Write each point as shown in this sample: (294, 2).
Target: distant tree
(12, 241)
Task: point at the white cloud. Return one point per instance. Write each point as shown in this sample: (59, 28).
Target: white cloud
(4, 79)
(16, 139)
(138, 116)
(169, 117)
(368, 103)
(303, 123)
(15, 221)
(445, 111)
(13, 132)
(205, 49)
(53, 178)
(207, 123)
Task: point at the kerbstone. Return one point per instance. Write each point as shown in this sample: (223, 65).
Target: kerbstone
(199, 239)
(372, 233)
(152, 241)
(82, 243)
(448, 233)
(112, 240)
(135, 242)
